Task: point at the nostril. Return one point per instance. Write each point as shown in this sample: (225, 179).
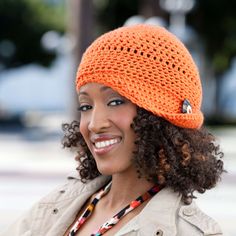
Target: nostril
(97, 125)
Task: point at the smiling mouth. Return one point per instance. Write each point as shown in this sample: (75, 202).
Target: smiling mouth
(106, 143)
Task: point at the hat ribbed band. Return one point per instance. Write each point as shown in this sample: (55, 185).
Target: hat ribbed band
(149, 66)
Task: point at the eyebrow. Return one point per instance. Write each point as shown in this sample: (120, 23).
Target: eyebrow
(102, 89)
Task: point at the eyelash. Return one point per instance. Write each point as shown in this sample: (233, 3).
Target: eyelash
(117, 101)
(85, 108)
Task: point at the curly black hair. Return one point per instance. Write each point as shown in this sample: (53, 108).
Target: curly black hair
(185, 160)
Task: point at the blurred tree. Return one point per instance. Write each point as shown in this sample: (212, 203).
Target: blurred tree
(113, 13)
(215, 21)
(23, 22)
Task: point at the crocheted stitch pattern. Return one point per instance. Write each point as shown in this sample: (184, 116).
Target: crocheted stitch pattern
(149, 66)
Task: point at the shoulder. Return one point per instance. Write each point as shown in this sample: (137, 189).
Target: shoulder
(73, 187)
(44, 213)
(193, 221)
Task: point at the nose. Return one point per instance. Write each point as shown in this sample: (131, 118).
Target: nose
(99, 120)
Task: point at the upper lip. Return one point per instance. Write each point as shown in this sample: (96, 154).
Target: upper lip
(102, 137)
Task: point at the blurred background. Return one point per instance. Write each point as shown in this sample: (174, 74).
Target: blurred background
(41, 43)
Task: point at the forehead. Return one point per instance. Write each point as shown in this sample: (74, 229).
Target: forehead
(91, 87)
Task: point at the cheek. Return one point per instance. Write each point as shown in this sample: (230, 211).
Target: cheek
(128, 116)
(83, 129)
(124, 121)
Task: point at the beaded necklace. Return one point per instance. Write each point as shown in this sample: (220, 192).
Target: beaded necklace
(116, 218)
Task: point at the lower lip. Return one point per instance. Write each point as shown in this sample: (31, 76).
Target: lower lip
(105, 150)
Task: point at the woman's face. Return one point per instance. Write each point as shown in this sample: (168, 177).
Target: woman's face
(105, 122)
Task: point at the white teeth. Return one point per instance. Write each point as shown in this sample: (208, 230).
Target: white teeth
(106, 143)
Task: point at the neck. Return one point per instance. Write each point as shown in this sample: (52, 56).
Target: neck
(126, 188)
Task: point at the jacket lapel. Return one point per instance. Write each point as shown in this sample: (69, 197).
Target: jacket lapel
(158, 215)
(77, 201)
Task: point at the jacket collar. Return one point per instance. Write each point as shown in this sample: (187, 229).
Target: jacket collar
(90, 185)
(76, 196)
(159, 213)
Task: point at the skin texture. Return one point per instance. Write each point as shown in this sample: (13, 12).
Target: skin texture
(102, 119)
(106, 115)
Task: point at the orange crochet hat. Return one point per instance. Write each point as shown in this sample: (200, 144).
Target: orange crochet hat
(149, 66)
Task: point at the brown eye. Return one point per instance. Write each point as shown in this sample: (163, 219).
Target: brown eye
(84, 108)
(115, 102)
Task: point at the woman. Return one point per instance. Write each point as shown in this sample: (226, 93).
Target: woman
(142, 150)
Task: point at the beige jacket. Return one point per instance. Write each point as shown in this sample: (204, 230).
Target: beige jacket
(165, 214)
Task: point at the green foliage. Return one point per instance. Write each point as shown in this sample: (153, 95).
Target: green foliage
(113, 13)
(215, 20)
(23, 22)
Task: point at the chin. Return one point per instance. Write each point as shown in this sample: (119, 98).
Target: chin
(112, 171)
(106, 171)
(113, 167)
